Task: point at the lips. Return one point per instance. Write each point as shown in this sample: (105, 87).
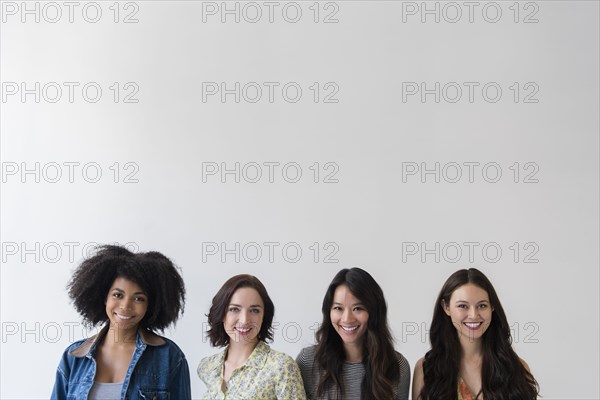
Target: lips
(124, 317)
(472, 325)
(349, 329)
(243, 330)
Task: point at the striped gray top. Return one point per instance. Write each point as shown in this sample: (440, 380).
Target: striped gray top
(352, 375)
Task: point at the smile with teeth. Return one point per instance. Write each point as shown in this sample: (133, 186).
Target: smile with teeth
(123, 317)
(349, 329)
(243, 331)
(472, 325)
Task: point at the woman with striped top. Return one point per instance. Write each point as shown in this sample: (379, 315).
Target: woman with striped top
(354, 358)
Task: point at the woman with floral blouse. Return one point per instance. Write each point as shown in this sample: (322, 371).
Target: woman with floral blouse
(240, 320)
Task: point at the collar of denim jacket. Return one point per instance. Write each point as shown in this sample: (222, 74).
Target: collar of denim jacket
(146, 336)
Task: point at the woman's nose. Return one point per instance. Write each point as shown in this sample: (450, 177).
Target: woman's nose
(347, 316)
(473, 312)
(125, 304)
(243, 316)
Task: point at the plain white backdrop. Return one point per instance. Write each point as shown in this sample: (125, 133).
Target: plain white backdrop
(292, 139)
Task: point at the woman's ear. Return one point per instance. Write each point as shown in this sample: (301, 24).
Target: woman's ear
(445, 307)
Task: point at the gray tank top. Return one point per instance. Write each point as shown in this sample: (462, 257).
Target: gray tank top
(105, 391)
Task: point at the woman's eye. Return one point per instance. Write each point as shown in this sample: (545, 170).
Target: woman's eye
(358, 309)
(462, 306)
(255, 311)
(140, 299)
(337, 308)
(117, 295)
(483, 306)
(233, 309)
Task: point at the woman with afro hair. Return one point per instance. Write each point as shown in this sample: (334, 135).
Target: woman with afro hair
(471, 356)
(133, 295)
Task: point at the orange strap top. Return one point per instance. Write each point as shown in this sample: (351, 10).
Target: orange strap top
(464, 393)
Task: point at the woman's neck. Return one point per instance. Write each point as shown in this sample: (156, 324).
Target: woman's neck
(471, 349)
(118, 337)
(354, 353)
(239, 352)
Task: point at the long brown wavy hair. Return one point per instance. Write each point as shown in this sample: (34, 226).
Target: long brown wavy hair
(503, 376)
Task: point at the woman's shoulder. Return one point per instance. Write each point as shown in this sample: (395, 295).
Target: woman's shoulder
(418, 378)
(165, 347)
(170, 344)
(419, 363)
(308, 352)
(418, 369)
(306, 355)
(404, 367)
(525, 365)
(401, 359)
(277, 356)
(80, 348)
(77, 344)
(210, 366)
(214, 359)
(74, 354)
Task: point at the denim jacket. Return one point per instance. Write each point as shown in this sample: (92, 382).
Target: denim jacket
(158, 370)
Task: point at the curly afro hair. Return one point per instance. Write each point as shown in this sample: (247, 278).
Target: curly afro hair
(152, 271)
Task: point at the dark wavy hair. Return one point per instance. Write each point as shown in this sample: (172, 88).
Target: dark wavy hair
(382, 370)
(503, 375)
(220, 303)
(158, 277)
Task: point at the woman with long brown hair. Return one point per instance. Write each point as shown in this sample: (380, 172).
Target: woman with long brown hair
(471, 356)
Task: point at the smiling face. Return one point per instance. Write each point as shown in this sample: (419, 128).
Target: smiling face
(349, 316)
(244, 316)
(126, 304)
(470, 310)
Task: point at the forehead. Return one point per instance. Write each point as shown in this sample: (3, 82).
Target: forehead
(343, 295)
(246, 296)
(126, 284)
(470, 293)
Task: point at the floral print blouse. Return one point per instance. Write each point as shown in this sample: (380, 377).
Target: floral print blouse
(266, 375)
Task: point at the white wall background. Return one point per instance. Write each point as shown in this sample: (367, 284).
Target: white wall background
(371, 215)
